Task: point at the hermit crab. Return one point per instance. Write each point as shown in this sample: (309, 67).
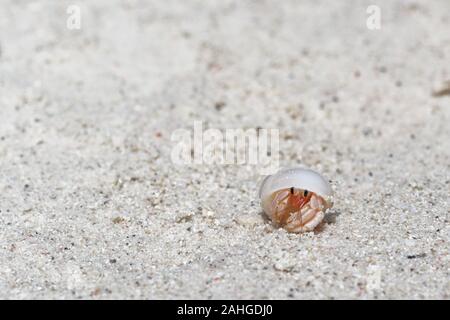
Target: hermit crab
(295, 199)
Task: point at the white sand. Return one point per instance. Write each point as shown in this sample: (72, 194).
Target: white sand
(91, 205)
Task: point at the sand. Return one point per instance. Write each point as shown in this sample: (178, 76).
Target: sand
(93, 207)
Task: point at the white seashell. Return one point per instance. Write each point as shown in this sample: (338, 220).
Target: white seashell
(300, 178)
(295, 198)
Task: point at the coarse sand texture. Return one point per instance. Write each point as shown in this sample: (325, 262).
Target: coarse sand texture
(92, 205)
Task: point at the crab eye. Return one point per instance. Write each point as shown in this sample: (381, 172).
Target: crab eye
(305, 193)
(292, 190)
